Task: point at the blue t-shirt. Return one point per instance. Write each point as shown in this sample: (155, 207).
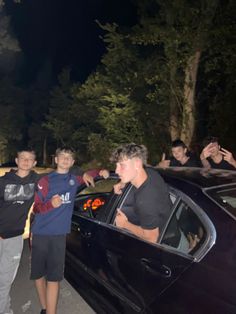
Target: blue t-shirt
(49, 220)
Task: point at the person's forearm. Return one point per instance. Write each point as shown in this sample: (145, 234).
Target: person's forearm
(148, 235)
(205, 162)
(40, 207)
(233, 162)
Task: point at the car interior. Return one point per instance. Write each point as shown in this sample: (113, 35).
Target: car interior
(185, 231)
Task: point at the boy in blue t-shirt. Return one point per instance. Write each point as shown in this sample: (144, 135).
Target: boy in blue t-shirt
(54, 202)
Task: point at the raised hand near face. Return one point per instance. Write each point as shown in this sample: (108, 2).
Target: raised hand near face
(228, 156)
(164, 163)
(206, 152)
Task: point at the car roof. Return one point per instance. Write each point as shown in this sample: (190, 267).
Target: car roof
(202, 177)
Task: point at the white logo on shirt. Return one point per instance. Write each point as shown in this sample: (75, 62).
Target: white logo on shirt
(40, 187)
(66, 198)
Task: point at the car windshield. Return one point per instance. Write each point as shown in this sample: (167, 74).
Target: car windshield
(225, 197)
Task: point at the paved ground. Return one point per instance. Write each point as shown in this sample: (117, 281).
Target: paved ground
(24, 298)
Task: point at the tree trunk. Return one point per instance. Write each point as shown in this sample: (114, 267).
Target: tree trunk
(188, 119)
(174, 121)
(175, 126)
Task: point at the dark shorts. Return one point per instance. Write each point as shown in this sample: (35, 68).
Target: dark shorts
(48, 257)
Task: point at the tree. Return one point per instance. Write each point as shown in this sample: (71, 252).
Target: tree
(147, 86)
(58, 119)
(179, 30)
(7, 41)
(12, 119)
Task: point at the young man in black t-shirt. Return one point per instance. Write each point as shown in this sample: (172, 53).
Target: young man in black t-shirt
(151, 202)
(214, 156)
(180, 157)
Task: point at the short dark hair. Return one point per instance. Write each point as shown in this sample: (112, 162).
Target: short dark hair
(210, 139)
(178, 143)
(26, 149)
(65, 149)
(129, 151)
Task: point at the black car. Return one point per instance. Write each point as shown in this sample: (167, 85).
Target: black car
(192, 268)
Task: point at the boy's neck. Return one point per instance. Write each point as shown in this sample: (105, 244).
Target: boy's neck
(62, 171)
(22, 173)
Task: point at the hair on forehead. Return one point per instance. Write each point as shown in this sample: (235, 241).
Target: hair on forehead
(65, 149)
(210, 139)
(178, 143)
(129, 151)
(26, 150)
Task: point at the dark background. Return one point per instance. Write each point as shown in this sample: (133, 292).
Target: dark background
(58, 33)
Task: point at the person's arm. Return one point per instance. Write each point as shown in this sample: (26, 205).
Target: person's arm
(150, 235)
(41, 204)
(227, 155)
(88, 176)
(204, 155)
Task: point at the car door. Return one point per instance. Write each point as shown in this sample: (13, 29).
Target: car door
(90, 204)
(132, 270)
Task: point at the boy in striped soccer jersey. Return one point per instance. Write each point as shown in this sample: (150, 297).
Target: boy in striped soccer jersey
(54, 202)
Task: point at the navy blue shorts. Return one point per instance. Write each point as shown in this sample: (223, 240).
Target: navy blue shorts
(48, 257)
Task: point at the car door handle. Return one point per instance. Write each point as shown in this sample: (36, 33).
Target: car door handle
(157, 270)
(85, 234)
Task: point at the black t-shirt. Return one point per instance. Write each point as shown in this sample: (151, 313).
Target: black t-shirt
(151, 203)
(221, 165)
(191, 162)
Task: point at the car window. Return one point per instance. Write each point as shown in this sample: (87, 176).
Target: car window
(224, 197)
(185, 231)
(100, 186)
(91, 201)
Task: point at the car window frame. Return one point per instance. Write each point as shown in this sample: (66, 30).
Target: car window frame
(204, 219)
(211, 193)
(198, 211)
(91, 194)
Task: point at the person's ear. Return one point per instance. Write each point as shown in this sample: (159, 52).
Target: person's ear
(16, 161)
(138, 163)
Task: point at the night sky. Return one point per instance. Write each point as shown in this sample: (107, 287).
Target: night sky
(61, 33)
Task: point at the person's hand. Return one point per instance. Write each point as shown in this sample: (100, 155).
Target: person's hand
(88, 179)
(56, 201)
(30, 240)
(193, 240)
(164, 163)
(104, 173)
(227, 155)
(121, 219)
(118, 187)
(206, 152)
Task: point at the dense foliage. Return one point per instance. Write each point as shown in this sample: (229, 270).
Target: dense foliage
(170, 75)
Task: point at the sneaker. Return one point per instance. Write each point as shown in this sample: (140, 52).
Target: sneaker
(43, 312)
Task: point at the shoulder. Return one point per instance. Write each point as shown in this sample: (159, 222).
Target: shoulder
(43, 181)
(154, 186)
(153, 176)
(174, 162)
(193, 161)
